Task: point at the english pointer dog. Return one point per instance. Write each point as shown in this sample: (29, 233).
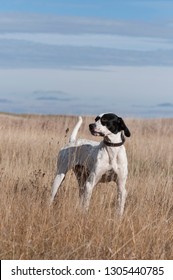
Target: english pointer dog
(94, 162)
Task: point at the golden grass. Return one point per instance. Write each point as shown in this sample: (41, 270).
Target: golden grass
(29, 229)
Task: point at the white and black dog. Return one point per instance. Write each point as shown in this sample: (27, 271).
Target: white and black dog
(94, 162)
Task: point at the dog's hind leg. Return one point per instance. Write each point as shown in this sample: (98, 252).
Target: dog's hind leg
(56, 184)
(81, 176)
(62, 169)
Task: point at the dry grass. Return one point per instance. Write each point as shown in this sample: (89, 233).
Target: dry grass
(32, 230)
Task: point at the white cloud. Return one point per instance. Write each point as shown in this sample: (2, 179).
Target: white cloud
(36, 23)
(92, 40)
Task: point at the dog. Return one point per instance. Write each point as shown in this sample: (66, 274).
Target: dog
(94, 162)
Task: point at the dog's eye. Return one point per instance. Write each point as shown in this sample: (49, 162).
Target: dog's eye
(104, 121)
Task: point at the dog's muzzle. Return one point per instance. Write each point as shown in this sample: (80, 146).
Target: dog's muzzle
(92, 128)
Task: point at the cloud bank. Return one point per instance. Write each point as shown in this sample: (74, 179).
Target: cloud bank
(34, 41)
(73, 65)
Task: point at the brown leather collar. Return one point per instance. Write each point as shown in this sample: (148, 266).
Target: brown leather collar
(115, 144)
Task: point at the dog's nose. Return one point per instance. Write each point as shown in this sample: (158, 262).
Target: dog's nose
(91, 126)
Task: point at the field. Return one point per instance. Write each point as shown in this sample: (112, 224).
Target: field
(30, 229)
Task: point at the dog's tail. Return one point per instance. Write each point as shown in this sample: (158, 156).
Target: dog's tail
(75, 131)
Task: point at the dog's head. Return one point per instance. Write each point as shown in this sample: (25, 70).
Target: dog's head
(108, 123)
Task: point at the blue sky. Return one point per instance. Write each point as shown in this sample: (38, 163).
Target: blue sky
(115, 9)
(87, 57)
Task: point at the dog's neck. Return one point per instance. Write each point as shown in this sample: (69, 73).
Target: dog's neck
(114, 140)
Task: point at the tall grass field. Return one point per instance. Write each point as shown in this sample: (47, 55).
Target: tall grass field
(31, 229)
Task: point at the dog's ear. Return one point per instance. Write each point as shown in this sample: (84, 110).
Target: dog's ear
(124, 128)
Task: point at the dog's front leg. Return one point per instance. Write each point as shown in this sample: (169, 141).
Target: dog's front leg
(122, 194)
(89, 185)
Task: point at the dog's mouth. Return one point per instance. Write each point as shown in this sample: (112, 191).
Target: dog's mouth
(94, 132)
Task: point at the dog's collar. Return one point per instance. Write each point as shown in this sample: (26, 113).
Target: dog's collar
(110, 144)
